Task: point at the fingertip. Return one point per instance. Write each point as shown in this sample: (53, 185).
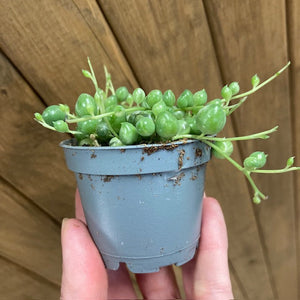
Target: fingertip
(207, 275)
(212, 208)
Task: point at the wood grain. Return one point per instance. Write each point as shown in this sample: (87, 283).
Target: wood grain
(158, 44)
(50, 41)
(19, 283)
(254, 41)
(293, 22)
(31, 159)
(28, 237)
(153, 36)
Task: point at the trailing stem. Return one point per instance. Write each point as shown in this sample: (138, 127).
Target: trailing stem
(257, 193)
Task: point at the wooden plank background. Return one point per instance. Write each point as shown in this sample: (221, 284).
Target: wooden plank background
(155, 44)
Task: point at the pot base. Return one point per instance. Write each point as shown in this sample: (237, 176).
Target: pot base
(151, 264)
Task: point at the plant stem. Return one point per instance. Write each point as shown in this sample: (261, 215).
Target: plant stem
(239, 167)
(52, 128)
(253, 185)
(71, 116)
(93, 75)
(284, 170)
(109, 85)
(232, 161)
(110, 127)
(260, 135)
(102, 115)
(253, 90)
(232, 108)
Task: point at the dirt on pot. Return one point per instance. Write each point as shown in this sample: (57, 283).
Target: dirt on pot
(153, 149)
(180, 159)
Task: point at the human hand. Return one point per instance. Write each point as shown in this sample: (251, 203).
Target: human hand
(205, 277)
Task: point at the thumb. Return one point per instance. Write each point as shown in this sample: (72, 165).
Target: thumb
(84, 275)
(207, 275)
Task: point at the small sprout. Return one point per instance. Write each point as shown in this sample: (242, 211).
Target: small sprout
(290, 162)
(255, 81)
(38, 117)
(65, 108)
(87, 74)
(107, 75)
(256, 199)
(235, 87)
(226, 93)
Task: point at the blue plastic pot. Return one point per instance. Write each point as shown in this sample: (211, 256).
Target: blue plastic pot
(142, 203)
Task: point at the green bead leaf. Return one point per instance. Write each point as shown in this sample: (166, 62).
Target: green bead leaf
(38, 117)
(138, 95)
(129, 99)
(235, 88)
(65, 108)
(255, 81)
(226, 93)
(87, 74)
(290, 161)
(226, 147)
(256, 199)
(115, 142)
(61, 126)
(200, 98)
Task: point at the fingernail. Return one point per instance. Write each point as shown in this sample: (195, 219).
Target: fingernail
(63, 224)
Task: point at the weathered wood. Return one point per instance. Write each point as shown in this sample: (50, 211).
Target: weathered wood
(251, 38)
(293, 22)
(53, 42)
(30, 158)
(169, 46)
(28, 237)
(19, 283)
(93, 16)
(165, 43)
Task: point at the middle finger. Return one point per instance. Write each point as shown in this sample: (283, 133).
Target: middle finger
(159, 285)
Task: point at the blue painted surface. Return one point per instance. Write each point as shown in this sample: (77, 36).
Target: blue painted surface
(144, 210)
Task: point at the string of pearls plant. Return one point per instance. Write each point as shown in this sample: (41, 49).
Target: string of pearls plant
(119, 118)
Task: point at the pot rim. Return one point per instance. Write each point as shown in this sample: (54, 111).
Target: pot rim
(68, 144)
